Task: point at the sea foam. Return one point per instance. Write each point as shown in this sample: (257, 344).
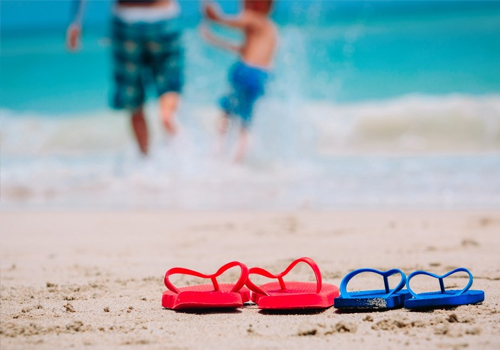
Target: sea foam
(412, 124)
(413, 151)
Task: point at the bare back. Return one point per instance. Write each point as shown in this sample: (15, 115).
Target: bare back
(260, 40)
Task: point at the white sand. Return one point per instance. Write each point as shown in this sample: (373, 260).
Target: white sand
(94, 280)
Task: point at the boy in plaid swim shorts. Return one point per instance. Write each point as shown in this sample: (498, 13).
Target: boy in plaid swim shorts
(147, 50)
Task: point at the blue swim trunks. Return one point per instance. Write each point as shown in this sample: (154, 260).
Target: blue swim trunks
(247, 85)
(145, 53)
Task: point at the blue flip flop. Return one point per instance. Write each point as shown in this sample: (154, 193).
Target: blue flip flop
(372, 299)
(443, 298)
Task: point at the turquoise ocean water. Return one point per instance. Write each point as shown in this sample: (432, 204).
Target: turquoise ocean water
(372, 106)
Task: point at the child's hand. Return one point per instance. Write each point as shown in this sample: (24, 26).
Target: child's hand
(211, 11)
(73, 35)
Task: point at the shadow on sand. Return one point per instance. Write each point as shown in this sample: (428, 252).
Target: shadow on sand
(207, 311)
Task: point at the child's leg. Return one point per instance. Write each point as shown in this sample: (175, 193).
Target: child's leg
(242, 145)
(168, 106)
(223, 126)
(140, 128)
(166, 63)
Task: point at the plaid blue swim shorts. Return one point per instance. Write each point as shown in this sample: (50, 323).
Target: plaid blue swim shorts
(145, 53)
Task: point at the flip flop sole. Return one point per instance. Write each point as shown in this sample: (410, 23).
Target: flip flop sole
(446, 299)
(204, 297)
(297, 296)
(372, 300)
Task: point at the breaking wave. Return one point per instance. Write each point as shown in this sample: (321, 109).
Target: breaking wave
(413, 151)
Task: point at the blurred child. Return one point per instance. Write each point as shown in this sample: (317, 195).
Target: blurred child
(248, 76)
(146, 49)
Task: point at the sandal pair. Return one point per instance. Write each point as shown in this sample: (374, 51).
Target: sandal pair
(270, 296)
(398, 297)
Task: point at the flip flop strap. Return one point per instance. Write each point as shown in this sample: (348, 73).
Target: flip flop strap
(265, 273)
(180, 270)
(385, 274)
(441, 282)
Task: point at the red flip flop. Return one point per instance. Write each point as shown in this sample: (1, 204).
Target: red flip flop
(292, 295)
(206, 296)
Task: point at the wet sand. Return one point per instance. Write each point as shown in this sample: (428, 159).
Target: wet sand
(94, 280)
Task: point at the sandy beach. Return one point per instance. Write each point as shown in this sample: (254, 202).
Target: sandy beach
(94, 280)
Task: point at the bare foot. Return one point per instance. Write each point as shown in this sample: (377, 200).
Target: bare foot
(241, 146)
(170, 125)
(168, 106)
(223, 127)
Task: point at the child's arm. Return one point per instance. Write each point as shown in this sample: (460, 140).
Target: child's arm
(242, 21)
(224, 44)
(73, 33)
(78, 7)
